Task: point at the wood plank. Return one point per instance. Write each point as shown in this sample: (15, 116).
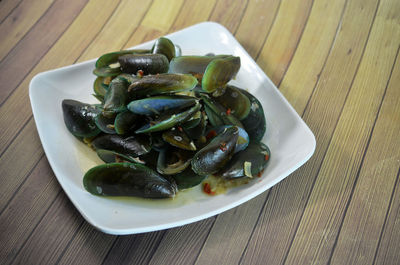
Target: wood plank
(50, 237)
(17, 162)
(134, 249)
(311, 52)
(365, 216)
(17, 64)
(231, 232)
(272, 234)
(186, 241)
(255, 24)
(6, 7)
(162, 15)
(19, 22)
(88, 246)
(26, 210)
(228, 13)
(14, 113)
(193, 12)
(278, 50)
(323, 215)
(118, 30)
(388, 249)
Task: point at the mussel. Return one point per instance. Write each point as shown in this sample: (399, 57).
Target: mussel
(79, 118)
(148, 63)
(127, 179)
(211, 158)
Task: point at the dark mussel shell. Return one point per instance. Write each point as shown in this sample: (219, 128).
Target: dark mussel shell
(219, 72)
(148, 63)
(152, 106)
(79, 118)
(247, 163)
(131, 146)
(127, 179)
(243, 139)
(164, 46)
(254, 123)
(214, 156)
(178, 138)
(187, 179)
(125, 121)
(116, 97)
(198, 131)
(220, 113)
(234, 100)
(168, 120)
(173, 161)
(161, 84)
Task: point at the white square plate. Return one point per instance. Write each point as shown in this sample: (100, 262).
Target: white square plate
(290, 140)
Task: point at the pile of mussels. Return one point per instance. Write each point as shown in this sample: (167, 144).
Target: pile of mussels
(166, 122)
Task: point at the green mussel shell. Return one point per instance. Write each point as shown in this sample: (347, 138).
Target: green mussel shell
(127, 179)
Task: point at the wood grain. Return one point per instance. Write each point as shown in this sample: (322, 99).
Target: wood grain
(18, 62)
(314, 240)
(6, 7)
(228, 13)
(22, 18)
(388, 249)
(365, 216)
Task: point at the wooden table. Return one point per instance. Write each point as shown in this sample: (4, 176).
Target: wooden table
(337, 62)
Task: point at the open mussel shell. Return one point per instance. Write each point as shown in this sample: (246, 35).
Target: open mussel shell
(109, 156)
(172, 161)
(254, 123)
(247, 163)
(107, 71)
(125, 121)
(197, 131)
(161, 84)
(214, 156)
(79, 118)
(112, 57)
(131, 146)
(105, 123)
(218, 113)
(152, 106)
(178, 138)
(127, 179)
(116, 97)
(128, 77)
(99, 87)
(187, 179)
(193, 122)
(243, 139)
(164, 46)
(168, 121)
(148, 63)
(219, 72)
(235, 101)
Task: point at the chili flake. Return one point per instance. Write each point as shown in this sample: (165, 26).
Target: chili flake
(266, 157)
(228, 111)
(211, 134)
(140, 73)
(207, 189)
(222, 146)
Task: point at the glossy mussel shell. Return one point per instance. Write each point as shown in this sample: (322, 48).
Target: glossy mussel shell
(235, 101)
(164, 46)
(127, 179)
(191, 64)
(152, 106)
(219, 72)
(254, 123)
(256, 156)
(161, 84)
(133, 146)
(214, 156)
(148, 63)
(80, 118)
